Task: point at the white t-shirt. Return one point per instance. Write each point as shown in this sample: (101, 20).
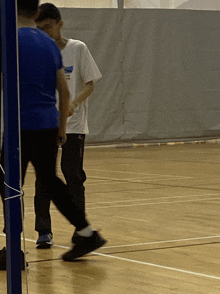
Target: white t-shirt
(80, 68)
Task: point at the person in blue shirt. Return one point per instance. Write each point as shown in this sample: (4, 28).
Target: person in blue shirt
(43, 128)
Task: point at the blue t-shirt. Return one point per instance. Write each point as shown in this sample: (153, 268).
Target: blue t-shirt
(39, 61)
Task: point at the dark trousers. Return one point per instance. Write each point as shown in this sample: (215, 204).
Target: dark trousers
(72, 168)
(40, 148)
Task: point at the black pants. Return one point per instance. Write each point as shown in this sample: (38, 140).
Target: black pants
(40, 148)
(72, 168)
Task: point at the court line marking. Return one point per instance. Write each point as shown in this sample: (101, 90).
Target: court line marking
(133, 173)
(147, 263)
(159, 266)
(140, 181)
(156, 203)
(153, 198)
(163, 242)
(158, 198)
(139, 204)
(123, 172)
(143, 204)
(96, 179)
(138, 244)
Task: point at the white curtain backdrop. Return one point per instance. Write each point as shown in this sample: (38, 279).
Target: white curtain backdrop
(83, 3)
(161, 72)
(200, 5)
(179, 4)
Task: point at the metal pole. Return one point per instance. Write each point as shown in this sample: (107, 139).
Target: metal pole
(11, 146)
(120, 4)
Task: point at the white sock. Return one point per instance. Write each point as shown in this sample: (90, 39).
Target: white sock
(86, 232)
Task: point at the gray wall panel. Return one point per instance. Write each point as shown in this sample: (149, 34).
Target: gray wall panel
(161, 73)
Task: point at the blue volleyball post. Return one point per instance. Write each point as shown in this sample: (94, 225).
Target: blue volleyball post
(11, 145)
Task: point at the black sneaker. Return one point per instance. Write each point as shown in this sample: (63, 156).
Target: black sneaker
(3, 260)
(44, 241)
(75, 237)
(84, 245)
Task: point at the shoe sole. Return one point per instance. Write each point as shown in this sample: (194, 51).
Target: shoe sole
(67, 256)
(44, 245)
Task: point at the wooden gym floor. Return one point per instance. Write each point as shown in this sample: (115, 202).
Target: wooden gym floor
(159, 208)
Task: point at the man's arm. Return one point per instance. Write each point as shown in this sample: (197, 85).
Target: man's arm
(83, 95)
(64, 98)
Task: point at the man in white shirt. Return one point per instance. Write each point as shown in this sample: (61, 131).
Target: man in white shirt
(81, 72)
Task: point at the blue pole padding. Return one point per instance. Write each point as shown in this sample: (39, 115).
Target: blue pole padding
(11, 146)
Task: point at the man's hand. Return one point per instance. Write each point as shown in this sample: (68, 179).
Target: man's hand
(83, 95)
(73, 106)
(61, 138)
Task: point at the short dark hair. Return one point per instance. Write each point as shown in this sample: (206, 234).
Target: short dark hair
(27, 7)
(48, 10)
